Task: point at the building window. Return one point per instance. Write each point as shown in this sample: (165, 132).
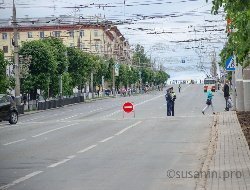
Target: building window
(96, 33)
(5, 49)
(96, 46)
(56, 34)
(41, 34)
(4, 36)
(71, 33)
(81, 33)
(82, 46)
(30, 35)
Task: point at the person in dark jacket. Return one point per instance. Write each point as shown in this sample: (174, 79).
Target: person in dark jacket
(226, 93)
(170, 98)
(179, 87)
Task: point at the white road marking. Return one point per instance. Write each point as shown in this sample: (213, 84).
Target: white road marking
(71, 157)
(52, 130)
(62, 162)
(107, 139)
(127, 128)
(87, 149)
(78, 114)
(34, 119)
(59, 163)
(20, 180)
(67, 118)
(14, 142)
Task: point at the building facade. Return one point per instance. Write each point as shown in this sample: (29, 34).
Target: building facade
(100, 39)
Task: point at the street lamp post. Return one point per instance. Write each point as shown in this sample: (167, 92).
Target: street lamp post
(16, 57)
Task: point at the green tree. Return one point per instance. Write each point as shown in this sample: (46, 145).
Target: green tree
(133, 75)
(79, 67)
(67, 84)
(42, 67)
(160, 77)
(101, 71)
(147, 75)
(123, 77)
(5, 81)
(238, 12)
(59, 51)
(140, 58)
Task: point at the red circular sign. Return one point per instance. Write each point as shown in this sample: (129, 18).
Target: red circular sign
(128, 107)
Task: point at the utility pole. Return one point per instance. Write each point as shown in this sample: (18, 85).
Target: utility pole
(16, 57)
(92, 84)
(234, 83)
(114, 80)
(60, 86)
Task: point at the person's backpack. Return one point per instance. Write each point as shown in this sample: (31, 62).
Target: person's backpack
(209, 102)
(229, 103)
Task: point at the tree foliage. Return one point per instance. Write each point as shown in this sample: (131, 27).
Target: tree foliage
(42, 66)
(140, 58)
(51, 59)
(6, 82)
(79, 66)
(238, 11)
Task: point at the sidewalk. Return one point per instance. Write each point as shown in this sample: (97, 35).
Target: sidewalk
(229, 160)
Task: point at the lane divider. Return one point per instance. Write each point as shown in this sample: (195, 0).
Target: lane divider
(59, 163)
(14, 142)
(52, 130)
(20, 180)
(87, 149)
(127, 128)
(107, 139)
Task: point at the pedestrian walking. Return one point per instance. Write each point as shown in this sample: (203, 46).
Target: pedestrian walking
(179, 87)
(209, 102)
(226, 94)
(170, 99)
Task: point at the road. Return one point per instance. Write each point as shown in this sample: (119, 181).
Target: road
(90, 146)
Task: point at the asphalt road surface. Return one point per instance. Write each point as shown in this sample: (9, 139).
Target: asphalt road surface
(93, 146)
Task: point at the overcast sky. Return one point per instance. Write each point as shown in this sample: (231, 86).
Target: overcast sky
(161, 26)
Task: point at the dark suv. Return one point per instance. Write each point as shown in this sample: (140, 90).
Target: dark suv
(8, 110)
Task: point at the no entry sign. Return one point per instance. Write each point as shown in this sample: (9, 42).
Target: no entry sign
(128, 107)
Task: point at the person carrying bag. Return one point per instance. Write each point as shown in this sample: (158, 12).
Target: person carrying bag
(209, 102)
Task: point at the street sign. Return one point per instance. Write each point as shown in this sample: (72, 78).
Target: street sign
(230, 64)
(128, 107)
(117, 66)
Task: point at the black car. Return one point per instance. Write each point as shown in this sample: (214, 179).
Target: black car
(107, 92)
(8, 110)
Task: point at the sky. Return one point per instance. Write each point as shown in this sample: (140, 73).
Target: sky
(182, 35)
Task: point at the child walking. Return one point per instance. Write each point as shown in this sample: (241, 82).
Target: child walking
(209, 102)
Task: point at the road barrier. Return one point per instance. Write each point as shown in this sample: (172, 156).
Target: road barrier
(49, 104)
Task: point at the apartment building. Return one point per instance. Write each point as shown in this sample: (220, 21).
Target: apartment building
(100, 39)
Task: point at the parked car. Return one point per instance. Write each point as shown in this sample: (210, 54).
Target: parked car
(107, 92)
(8, 109)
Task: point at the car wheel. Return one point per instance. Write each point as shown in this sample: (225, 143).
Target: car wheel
(13, 118)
